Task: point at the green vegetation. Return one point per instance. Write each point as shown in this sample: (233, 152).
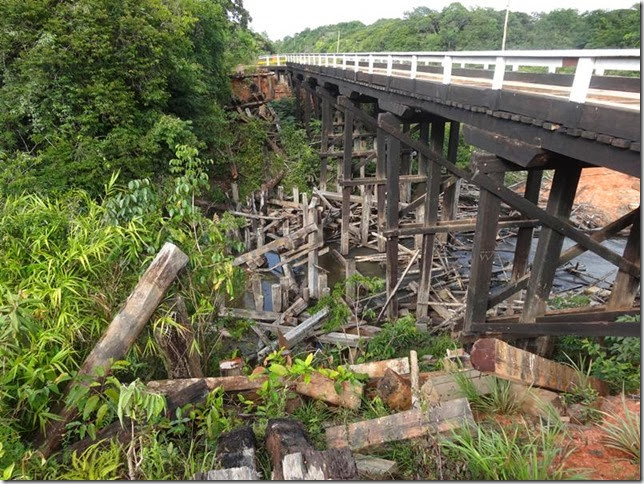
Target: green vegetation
(459, 28)
(623, 432)
(501, 399)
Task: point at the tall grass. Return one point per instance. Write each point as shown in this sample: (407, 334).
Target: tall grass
(623, 433)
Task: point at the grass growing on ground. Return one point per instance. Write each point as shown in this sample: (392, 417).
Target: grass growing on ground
(623, 433)
(501, 399)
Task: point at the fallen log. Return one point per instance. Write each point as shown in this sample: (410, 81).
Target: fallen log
(294, 458)
(119, 335)
(491, 355)
(414, 423)
(227, 383)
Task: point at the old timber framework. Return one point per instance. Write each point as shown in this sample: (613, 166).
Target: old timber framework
(385, 110)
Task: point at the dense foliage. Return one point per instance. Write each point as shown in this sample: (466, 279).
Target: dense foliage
(88, 87)
(459, 28)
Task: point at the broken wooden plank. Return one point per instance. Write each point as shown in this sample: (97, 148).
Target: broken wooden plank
(413, 377)
(120, 334)
(438, 420)
(274, 245)
(227, 383)
(302, 331)
(376, 369)
(233, 474)
(323, 388)
(375, 467)
(445, 387)
(248, 314)
(342, 339)
(395, 391)
(491, 355)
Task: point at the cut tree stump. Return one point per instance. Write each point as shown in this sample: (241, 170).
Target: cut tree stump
(491, 355)
(395, 391)
(294, 458)
(436, 421)
(119, 335)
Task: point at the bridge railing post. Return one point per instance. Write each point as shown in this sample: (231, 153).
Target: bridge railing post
(326, 60)
(344, 62)
(370, 64)
(581, 81)
(414, 66)
(499, 73)
(356, 63)
(447, 70)
(390, 62)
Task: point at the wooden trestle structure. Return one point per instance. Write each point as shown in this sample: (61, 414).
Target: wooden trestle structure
(361, 131)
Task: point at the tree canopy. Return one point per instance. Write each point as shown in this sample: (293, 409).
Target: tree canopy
(88, 87)
(459, 28)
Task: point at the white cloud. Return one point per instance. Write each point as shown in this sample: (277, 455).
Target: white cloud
(280, 18)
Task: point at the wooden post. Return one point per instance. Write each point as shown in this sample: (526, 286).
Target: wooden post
(350, 289)
(346, 175)
(381, 172)
(366, 215)
(562, 195)
(393, 199)
(524, 236)
(487, 221)
(120, 334)
(327, 129)
(423, 168)
(297, 91)
(452, 192)
(405, 165)
(307, 111)
(276, 297)
(625, 286)
(431, 216)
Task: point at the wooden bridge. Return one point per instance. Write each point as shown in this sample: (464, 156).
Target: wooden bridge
(399, 115)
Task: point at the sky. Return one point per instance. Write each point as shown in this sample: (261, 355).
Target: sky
(279, 18)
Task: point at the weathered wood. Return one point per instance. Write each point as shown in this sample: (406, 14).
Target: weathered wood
(346, 175)
(327, 128)
(626, 286)
(323, 388)
(314, 465)
(444, 387)
(248, 314)
(415, 385)
(365, 220)
(303, 330)
(275, 244)
(393, 198)
(381, 190)
(558, 328)
(179, 359)
(237, 448)
(487, 220)
(451, 193)
(232, 474)
(284, 437)
(376, 369)
(226, 383)
(392, 293)
(439, 420)
(342, 339)
(458, 226)
(375, 467)
(430, 216)
(395, 391)
(120, 334)
(494, 356)
(276, 297)
(231, 367)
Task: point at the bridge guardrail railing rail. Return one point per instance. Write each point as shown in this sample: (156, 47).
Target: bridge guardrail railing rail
(585, 62)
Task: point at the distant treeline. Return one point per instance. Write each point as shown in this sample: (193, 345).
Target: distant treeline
(459, 28)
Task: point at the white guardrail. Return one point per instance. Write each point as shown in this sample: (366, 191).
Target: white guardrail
(585, 62)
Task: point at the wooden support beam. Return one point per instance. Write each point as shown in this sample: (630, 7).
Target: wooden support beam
(303, 330)
(558, 328)
(405, 167)
(487, 220)
(404, 179)
(275, 244)
(451, 193)
(393, 198)
(248, 314)
(365, 220)
(458, 226)
(381, 190)
(562, 195)
(442, 419)
(327, 129)
(346, 174)
(496, 357)
(626, 286)
(119, 336)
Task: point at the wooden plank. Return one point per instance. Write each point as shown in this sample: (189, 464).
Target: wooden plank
(119, 336)
(491, 355)
(558, 328)
(303, 330)
(226, 383)
(231, 474)
(441, 388)
(442, 419)
(275, 244)
(315, 465)
(248, 314)
(342, 339)
(395, 391)
(381, 190)
(404, 179)
(458, 226)
(376, 369)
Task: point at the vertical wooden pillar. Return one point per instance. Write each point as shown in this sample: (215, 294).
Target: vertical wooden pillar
(432, 192)
(346, 175)
(423, 168)
(381, 189)
(487, 222)
(327, 129)
(297, 91)
(405, 165)
(366, 215)
(452, 192)
(393, 199)
(307, 111)
(524, 235)
(625, 286)
(562, 195)
(312, 257)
